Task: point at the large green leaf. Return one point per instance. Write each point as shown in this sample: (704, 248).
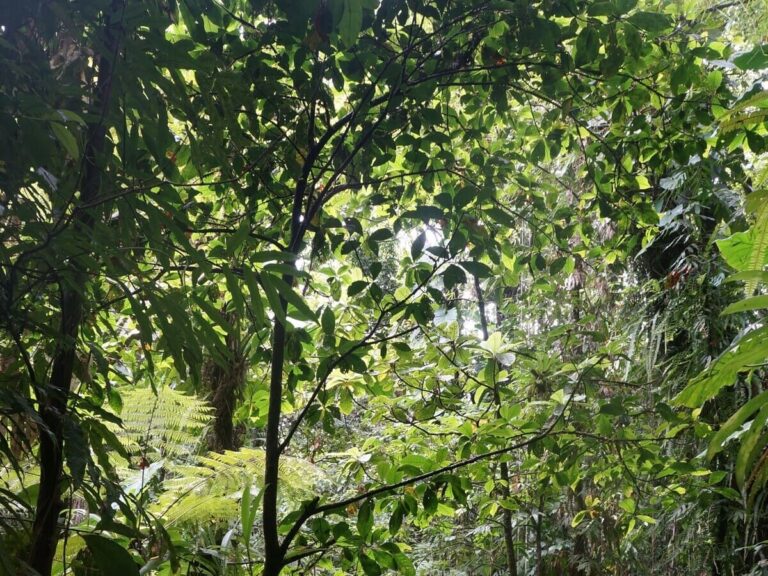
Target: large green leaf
(747, 304)
(109, 558)
(351, 21)
(734, 423)
(748, 352)
(752, 444)
(754, 59)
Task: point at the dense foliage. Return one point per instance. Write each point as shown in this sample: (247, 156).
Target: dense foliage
(362, 287)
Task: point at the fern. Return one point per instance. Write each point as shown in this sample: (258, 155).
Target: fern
(757, 207)
(211, 488)
(749, 112)
(167, 425)
(164, 432)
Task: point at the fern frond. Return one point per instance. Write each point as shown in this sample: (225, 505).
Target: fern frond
(214, 485)
(167, 430)
(197, 508)
(759, 100)
(170, 424)
(757, 207)
(748, 112)
(743, 120)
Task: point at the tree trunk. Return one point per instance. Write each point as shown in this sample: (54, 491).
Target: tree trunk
(539, 558)
(52, 399)
(506, 515)
(225, 384)
(506, 522)
(273, 560)
(53, 407)
(580, 542)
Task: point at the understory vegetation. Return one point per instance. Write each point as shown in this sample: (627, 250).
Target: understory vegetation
(377, 287)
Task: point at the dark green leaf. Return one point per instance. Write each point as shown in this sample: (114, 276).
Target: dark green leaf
(356, 287)
(587, 48)
(365, 518)
(418, 245)
(351, 21)
(109, 557)
(650, 21)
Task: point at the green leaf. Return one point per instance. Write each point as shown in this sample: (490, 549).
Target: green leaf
(356, 287)
(601, 9)
(628, 505)
(756, 276)
(430, 500)
(365, 518)
(477, 269)
(271, 255)
(752, 444)
(328, 321)
(425, 213)
(249, 505)
(252, 281)
(737, 250)
(651, 21)
(734, 423)
(744, 354)
(271, 282)
(66, 139)
(418, 246)
(587, 46)
(76, 450)
(396, 519)
(453, 276)
(370, 566)
(381, 234)
(234, 241)
(578, 518)
(273, 297)
(755, 59)
(346, 404)
(109, 557)
(747, 304)
(633, 41)
(351, 21)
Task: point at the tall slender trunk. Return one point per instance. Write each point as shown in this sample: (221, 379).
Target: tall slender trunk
(580, 542)
(506, 515)
(539, 556)
(273, 553)
(273, 560)
(53, 398)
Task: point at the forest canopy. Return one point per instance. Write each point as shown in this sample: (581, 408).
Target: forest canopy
(383, 287)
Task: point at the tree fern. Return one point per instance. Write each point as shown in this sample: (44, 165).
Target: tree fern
(169, 424)
(211, 488)
(164, 432)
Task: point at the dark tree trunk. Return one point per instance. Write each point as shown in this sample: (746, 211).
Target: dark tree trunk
(225, 383)
(53, 407)
(506, 522)
(506, 515)
(273, 559)
(53, 398)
